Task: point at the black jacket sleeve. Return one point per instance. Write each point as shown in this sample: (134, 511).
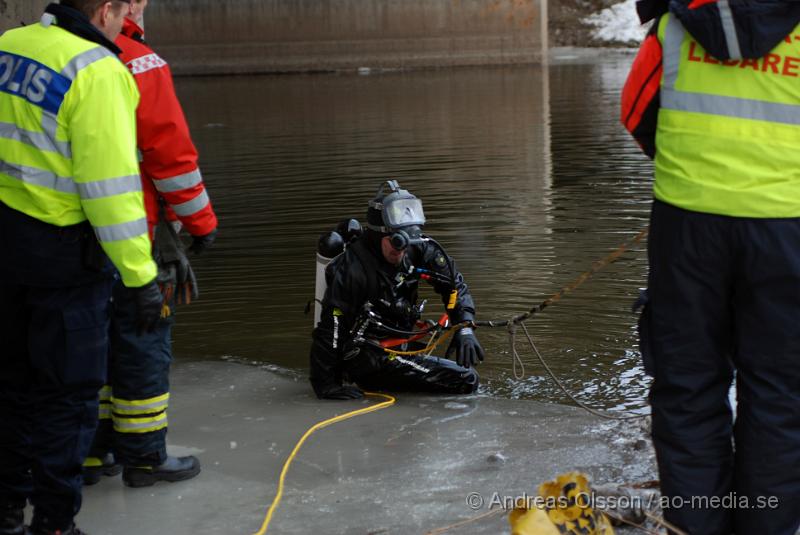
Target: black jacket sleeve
(438, 261)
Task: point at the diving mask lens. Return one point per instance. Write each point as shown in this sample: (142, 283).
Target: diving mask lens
(403, 212)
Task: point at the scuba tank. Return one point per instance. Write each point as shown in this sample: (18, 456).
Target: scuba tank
(330, 245)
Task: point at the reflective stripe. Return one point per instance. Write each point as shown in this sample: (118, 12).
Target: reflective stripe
(109, 187)
(192, 207)
(47, 19)
(39, 177)
(728, 26)
(177, 183)
(38, 140)
(49, 123)
(105, 393)
(140, 425)
(673, 37)
(81, 61)
(121, 231)
(412, 364)
(105, 403)
(335, 331)
(93, 461)
(50, 128)
(146, 63)
(740, 108)
(145, 406)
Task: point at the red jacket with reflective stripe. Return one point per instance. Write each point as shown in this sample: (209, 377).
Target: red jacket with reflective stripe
(169, 158)
(640, 96)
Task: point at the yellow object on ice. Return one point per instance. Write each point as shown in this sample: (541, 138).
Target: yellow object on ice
(563, 506)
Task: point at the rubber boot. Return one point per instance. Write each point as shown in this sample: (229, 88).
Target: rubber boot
(173, 469)
(94, 468)
(12, 519)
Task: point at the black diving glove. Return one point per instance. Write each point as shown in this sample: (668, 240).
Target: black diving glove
(341, 392)
(468, 349)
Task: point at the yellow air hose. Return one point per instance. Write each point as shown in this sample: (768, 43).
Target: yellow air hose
(390, 400)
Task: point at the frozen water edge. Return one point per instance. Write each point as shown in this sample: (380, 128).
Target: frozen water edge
(405, 469)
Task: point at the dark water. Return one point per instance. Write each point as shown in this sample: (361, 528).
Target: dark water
(526, 176)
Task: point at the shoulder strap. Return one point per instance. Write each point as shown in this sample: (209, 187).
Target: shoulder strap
(368, 261)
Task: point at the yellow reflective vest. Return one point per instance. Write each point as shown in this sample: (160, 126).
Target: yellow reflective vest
(728, 134)
(68, 141)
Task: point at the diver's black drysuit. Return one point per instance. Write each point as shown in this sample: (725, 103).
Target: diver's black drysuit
(361, 275)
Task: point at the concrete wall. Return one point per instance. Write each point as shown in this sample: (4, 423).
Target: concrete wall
(13, 12)
(251, 36)
(215, 36)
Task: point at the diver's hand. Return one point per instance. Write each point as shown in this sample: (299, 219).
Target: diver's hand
(468, 349)
(341, 392)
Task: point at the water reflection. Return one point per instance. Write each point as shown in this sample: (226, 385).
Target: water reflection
(525, 175)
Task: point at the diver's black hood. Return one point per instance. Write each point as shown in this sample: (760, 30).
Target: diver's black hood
(760, 24)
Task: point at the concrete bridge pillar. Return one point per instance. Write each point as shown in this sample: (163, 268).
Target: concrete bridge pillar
(15, 12)
(246, 36)
(257, 36)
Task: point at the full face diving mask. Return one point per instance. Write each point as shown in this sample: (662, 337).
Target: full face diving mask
(397, 213)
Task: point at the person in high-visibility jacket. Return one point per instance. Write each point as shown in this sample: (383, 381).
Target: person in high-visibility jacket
(70, 200)
(133, 407)
(713, 96)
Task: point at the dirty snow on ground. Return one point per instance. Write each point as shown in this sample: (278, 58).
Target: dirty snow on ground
(618, 23)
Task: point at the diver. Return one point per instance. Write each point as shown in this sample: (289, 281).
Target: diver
(371, 296)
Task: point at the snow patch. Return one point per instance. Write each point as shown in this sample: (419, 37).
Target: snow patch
(618, 23)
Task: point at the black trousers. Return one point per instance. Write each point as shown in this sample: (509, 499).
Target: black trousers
(375, 370)
(134, 423)
(725, 296)
(54, 320)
